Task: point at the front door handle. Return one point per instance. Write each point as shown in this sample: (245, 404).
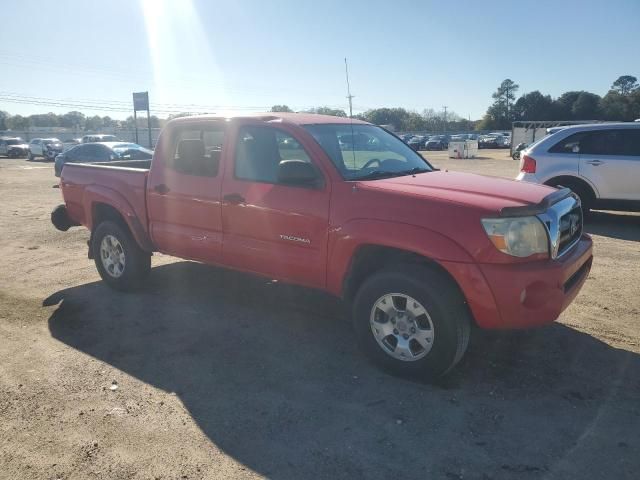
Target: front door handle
(595, 162)
(234, 198)
(161, 188)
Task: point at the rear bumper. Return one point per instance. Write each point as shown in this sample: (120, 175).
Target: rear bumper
(528, 177)
(524, 295)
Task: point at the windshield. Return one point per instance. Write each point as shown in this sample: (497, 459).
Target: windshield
(362, 152)
(51, 141)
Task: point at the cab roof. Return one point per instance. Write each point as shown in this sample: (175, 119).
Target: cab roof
(274, 117)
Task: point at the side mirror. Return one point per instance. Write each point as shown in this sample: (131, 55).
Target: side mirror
(298, 173)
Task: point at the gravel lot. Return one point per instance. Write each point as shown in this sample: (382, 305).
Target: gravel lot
(212, 374)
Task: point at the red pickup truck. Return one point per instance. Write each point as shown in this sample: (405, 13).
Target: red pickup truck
(344, 206)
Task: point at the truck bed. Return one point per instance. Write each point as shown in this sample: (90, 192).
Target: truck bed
(121, 183)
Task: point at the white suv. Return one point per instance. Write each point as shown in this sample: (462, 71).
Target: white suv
(599, 162)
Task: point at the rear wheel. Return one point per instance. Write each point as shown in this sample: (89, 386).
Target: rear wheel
(122, 264)
(412, 321)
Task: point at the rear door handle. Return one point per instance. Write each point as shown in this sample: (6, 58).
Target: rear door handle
(234, 198)
(161, 188)
(595, 162)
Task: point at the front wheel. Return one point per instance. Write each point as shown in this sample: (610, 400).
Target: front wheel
(412, 321)
(121, 263)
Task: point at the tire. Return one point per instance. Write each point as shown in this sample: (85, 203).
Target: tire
(447, 316)
(131, 265)
(586, 196)
(30, 156)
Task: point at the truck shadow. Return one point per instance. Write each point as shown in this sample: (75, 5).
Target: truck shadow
(271, 375)
(624, 226)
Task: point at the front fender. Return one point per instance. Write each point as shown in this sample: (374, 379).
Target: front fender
(99, 194)
(345, 240)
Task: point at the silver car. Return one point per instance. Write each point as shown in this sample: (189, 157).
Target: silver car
(599, 162)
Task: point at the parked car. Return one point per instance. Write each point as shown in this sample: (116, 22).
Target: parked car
(68, 144)
(504, 141)
(47, 148)
(101, 152)
(599, 162)
(417, 143)
(489, 141)
(419, 254)
(99, 138)
(13, 147)
(435, 143)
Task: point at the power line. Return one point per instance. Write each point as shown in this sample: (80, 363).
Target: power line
(125, 107)
(177, 80)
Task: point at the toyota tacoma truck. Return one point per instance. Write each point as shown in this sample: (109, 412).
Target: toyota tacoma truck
(420, 255)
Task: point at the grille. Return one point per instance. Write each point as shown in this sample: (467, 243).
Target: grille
(570, 229)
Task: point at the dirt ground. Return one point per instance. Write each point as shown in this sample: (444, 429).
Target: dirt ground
(213, 374)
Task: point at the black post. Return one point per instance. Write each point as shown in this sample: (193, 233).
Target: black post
(135, 122)
(149, 127)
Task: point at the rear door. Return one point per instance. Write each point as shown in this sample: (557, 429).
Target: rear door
(183, 192)
(610, 158)
(276, 230)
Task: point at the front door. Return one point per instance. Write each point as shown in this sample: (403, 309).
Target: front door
(272, 229)
(183, 193)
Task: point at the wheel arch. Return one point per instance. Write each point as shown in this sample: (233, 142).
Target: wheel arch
(566, 180)
(370, 258)
(103, 209)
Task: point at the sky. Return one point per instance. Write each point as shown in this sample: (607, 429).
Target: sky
(208, 55)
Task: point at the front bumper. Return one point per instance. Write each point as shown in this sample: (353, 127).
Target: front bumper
(523, 295)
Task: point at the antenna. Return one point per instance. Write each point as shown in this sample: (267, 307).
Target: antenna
(444, 107)
(349, 96)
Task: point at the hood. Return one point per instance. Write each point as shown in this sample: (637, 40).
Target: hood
(486, 193)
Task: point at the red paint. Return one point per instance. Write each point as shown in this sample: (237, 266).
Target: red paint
(309, 236)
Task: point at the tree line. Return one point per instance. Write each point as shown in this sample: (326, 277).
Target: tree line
(399, 119)
(621, 103)
(74, 120)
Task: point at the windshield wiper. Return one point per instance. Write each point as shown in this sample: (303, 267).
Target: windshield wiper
(376, 174)
(413, 171)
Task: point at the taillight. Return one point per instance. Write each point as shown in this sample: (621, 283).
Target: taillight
(528, 164)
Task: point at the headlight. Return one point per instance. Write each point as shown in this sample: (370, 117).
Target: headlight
(518, 236)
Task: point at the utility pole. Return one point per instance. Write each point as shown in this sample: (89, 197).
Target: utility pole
(349, 96)
(444, 107)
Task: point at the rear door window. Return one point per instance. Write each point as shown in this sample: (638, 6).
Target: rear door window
(198, 150)
(603, 142)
